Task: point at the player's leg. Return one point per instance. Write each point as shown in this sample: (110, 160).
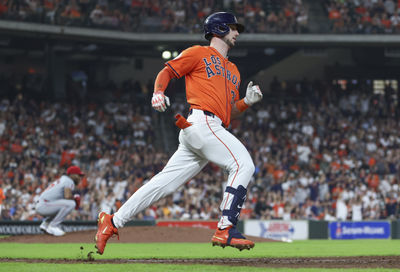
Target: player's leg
(67, 205)
(58, 209)
(227, 151)
(41, 209)
(45, 223)
(181, 167)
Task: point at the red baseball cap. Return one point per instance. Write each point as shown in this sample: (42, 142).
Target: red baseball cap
(74, 170)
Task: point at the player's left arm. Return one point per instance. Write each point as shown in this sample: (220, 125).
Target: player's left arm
(253, 95)
(67, 193)
(235, 113)
(69, 186)
(75, 197)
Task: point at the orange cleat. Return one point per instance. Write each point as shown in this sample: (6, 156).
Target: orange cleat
(231, 237)
(105, 230)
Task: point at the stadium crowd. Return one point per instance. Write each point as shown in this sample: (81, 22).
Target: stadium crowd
(178, 16)
(270, 16)
(364, 16)
(331, 155)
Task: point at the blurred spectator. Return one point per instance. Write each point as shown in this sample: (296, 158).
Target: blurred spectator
(363, 16)
(2, 198)
(286, 16)
(341, 208)
(356, 209)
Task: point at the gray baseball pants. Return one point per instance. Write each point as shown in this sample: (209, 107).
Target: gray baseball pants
(55, 211)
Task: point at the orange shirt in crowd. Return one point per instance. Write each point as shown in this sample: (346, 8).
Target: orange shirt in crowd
(83, 184)
(371, 162)
(334, 14)
(66, 158)
(335, 166)
(277, 208)
(74, 13)
(386, 22)
(16, 148)
(361, 10)
(2, 196)
(278, 174)
(373, 181)
(49, 5)
(270, 168)
(366, 19)
(288, 12)
(342, 152)
(295, 167)
(246, 213)
(3, 7)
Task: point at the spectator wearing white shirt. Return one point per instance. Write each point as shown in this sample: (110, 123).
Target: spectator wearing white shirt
(356, 209)
(341, 208)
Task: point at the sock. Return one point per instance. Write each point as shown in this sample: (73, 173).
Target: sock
(112, 222)
(225, 227)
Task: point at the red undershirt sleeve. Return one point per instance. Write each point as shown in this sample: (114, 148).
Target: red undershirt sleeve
(163, 78)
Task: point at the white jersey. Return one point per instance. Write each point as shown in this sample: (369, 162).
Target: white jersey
(55, 190)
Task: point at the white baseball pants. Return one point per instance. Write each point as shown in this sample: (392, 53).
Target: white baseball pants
(205, 140)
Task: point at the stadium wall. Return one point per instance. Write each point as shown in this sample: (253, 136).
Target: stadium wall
(279, 230)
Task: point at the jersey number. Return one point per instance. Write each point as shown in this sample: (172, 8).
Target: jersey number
(233, 97)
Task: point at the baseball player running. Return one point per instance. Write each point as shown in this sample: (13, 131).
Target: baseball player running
(212, 84)
(57, 201)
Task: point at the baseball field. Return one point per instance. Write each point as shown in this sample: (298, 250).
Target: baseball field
(75, 252)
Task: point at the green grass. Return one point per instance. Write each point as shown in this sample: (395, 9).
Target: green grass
(313, 248)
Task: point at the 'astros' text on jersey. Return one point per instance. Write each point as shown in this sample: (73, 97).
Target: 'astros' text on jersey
(212, 81)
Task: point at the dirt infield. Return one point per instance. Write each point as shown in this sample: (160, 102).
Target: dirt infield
(129, 235)
(197, 235)
(325, 262)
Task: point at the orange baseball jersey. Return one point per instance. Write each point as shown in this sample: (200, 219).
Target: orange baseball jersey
(212, 81)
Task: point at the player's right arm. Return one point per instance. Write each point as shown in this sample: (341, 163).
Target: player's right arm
(183, 64)
(160, 101)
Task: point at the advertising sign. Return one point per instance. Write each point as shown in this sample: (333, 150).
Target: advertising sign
(277, 230)
(360, 230)
(34, 229)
